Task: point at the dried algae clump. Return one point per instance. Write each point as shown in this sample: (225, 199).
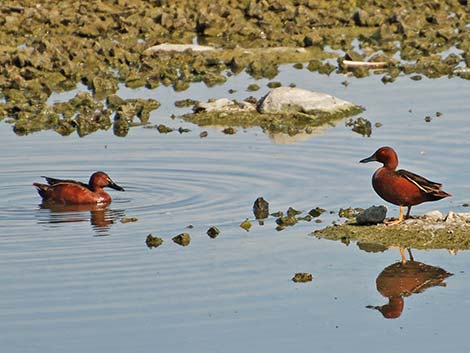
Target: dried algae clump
(426, 232)
(213, 232)
(153, 242)
(246, 224)
(261, 208)
(182, 239)
(302, 277)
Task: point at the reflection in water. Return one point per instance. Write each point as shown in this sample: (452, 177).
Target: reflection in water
(402, 279)
(101, 217)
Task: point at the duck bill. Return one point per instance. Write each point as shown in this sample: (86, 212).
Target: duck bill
(115, 186)
(369, 159)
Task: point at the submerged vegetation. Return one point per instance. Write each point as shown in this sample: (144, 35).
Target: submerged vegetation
(50, 47)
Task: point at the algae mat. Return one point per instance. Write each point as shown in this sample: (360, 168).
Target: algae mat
(50, 47)
(417, 236)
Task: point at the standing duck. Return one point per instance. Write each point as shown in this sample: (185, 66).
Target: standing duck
(401, 187)
(59, 191)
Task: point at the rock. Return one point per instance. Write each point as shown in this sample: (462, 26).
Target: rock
(316, 212)
(434, 215)
(372, 215)
(177, 48)
(286, 221)
(182, 239)
(153, 242)
(302, 277)
(347, 212)
(457, 217)
(224, 105)
(261, 208)
(294, 100)
(246, 224)
(128, 219)
(213, 232)
(292, 212)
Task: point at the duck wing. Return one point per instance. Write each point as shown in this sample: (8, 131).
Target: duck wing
(429, 187)
(54, 181)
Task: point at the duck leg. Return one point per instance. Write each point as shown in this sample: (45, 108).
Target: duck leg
(410, 254)
(403, 257)
(408, 212)
(399, 220)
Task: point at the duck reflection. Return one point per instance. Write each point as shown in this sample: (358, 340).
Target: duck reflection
(100, 216)
(403, 279)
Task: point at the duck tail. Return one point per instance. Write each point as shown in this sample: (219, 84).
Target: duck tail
(439, 194)
(42, 189)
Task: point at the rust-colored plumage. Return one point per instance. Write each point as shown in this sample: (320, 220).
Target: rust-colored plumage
(61, 191)
(401, 187)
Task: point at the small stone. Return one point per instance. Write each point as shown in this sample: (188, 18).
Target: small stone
(372, 215)
(286, 221)
(183, 130)
(416, 77)
(434, 215)
(163, 129)
(203, 134)
(274, 84)
(261, 208)
(438, 114)
(246, 224)
(182, 239)
(291, 212)
(153, 242)
(347, 212)
(128, 219)
(213, 232)
(317, 211)
(427, 119)
(229, 131)
(302, 277)
(253, 87)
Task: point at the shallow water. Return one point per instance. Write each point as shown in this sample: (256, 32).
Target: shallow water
(82, 281)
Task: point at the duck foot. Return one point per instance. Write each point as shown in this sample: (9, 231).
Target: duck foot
(400, 219)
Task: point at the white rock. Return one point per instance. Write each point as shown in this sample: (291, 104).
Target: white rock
(434, 215)
(292, 99)
(372, 215)
(225, 105)
(177, 48)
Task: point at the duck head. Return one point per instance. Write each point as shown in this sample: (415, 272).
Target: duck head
(101, 180)
(385, 155)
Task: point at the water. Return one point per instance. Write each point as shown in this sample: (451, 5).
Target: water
(82, 281)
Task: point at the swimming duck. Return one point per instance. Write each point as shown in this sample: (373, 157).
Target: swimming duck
(61, 191)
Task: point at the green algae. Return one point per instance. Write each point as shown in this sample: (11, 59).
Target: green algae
(402, 235)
